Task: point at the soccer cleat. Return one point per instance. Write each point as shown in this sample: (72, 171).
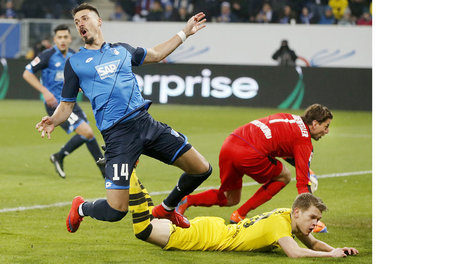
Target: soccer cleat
(101, 163)
(177, 219)
(320, 228)
(74, 219)
(182, 206)
(236, 217)
(57, 160)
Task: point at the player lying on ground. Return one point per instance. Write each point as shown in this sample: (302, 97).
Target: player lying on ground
(252, 150)
(263, 232)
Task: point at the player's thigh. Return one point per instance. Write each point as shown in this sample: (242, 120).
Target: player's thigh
(173, 148)
(123, 148)
(262, 169)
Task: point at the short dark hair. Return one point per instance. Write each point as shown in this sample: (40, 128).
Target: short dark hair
(61, 27)
(306, 200)
(84, 6)
(316, 112)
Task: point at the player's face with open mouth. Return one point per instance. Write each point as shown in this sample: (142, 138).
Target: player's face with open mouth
(88, 25)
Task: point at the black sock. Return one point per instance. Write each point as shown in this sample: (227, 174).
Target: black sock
(71, 145)
(101, 210)
(186, 184)
(94, 149)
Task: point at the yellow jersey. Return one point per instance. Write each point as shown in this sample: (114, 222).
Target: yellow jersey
(259, 233)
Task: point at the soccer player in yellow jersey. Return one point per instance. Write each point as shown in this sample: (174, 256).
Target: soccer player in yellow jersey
(263, 232)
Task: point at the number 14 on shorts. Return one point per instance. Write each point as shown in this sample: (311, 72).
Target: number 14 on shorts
(123, 171)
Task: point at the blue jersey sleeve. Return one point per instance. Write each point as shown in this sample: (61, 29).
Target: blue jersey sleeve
(137, 54)
(41, 61)
(71, 84)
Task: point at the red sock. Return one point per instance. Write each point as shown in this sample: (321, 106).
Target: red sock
(264, 194)
(207, 198)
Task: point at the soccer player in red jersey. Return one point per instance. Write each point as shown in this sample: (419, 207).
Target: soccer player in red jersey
(252, 150)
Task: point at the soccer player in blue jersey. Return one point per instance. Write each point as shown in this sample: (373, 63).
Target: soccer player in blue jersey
(51, 62)
(104, 73)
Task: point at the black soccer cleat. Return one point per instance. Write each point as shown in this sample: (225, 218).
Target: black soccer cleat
(57, 160)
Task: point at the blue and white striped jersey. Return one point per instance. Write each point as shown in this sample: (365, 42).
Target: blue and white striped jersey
(107, 79)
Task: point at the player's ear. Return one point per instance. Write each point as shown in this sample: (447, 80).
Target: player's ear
(100, 21)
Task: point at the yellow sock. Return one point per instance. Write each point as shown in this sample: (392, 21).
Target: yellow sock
(140, 206)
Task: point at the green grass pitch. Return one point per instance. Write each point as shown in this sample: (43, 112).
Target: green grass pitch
(40, 236)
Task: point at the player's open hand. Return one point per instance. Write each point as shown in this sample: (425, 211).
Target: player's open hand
(46, 126)
(194, 24)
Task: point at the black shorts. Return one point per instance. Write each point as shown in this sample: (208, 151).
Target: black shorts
(75, 119)
(142, 134)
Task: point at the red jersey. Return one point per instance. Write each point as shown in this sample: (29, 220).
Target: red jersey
(282, 135)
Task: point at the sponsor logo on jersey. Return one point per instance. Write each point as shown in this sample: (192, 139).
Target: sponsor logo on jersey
(59, 76)
(108, 184)
(89, 59)
(35, 61)
(108, 69)
(116, 52)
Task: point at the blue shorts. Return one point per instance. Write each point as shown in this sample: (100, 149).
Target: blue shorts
(75, 119)
(142, 134)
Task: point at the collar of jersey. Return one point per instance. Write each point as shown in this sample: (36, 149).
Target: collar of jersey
(102, 48)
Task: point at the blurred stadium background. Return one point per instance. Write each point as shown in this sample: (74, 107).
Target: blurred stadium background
(219, 79)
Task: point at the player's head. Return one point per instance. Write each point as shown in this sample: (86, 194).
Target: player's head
(318, 119)
(62, 37)
(306, 212)
(87, 21)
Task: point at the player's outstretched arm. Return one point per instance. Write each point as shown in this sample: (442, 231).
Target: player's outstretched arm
(48, 123)
(161, 51)
(316, 248)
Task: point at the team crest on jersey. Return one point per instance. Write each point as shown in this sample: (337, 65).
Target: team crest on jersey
(58, 64)
(116, 52)
(108, 69)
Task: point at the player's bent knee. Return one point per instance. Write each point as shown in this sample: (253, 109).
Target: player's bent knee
(113, 215)
(144, 234)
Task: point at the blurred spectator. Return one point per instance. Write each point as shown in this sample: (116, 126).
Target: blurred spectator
(253, 8)
(183, 14)
(328, 17)
(284, 55)
(365, 19)
(240, 9)
(41, 46)
(119, 14)
(128, 6)
(357, 7)
(156, 11)
(316, 8)
(143, 9)
(187, 4)
(211, 8)
(305, 16)
(288, 15)
(338, 7)
(170, 14)
(10, 11)
(266, 14)
(347, 19)
(226, 16)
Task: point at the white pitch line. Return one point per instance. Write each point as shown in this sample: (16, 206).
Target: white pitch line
(25, 208)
